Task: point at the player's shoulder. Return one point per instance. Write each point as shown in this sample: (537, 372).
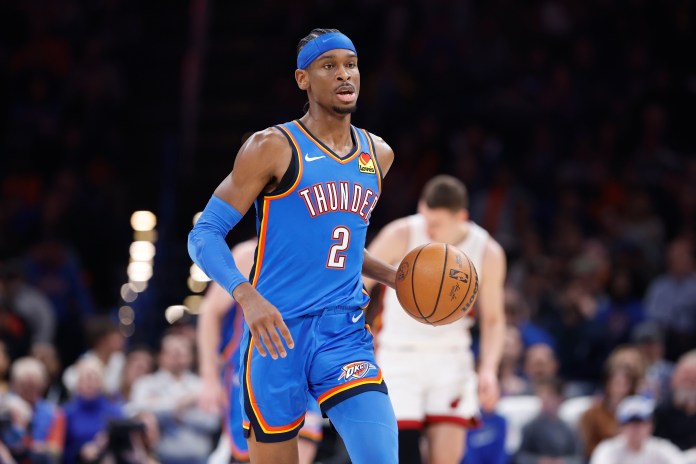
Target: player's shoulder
(494, 250)
(398, 228)
(267, 139)
(384, 153)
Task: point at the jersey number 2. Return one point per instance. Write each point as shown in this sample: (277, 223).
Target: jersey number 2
(337, 260)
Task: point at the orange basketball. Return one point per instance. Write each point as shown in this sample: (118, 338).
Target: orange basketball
(436, 283)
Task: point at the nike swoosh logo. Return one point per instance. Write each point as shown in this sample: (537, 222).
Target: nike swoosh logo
(309, 159)
(357, 317)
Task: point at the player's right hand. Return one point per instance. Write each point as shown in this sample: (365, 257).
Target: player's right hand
(264, 321)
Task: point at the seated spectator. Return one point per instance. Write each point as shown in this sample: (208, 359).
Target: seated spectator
(486, 444)
(15, 417)
(44, 436)
(540, 365)
(547, 438)
(171, 394)
(649, 341)
(139, 362)
(511, 382)
(48, 355)
(598, 422)
(635, 443)
(4, 368)
(29, 303)
(671, 299)
(518, 313)
(106, 344)
(675, 418)
(88, 414)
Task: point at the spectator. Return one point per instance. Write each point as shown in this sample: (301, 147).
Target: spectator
(4, 368)
(658, 374)
(622, 309)
(540, 365)
(171, 394)
(547, 438)
(48, 355)
(29, 303)
(517, 313)
(44, 435)
(511, 382)
(88, 414)
(635, 443)
(671, 299)
(106, 344)
(598, 422)
(486, 444)
(675, 418)
(139, 363)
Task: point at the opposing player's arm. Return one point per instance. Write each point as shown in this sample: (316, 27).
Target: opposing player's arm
(213, 308)
(492, 320)
(259, 166)
(384, 153)
(388, 247)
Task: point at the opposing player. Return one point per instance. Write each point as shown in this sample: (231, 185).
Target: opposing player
(314, 182)
(430, 370)
(219, 332)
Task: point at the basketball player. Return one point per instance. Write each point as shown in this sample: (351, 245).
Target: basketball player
(219, 332)
(314, 182)
(430, 370)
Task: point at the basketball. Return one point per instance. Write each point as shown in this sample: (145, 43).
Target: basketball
(436, 283)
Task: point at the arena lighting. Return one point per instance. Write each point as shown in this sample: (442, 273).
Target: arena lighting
(126, 315)
(139, 272)
(139, 286)
(197, 274)
(193, 303)
(129, 292)
(145, 236)
(126, 330)
(143, 220)
(174, 313)
(196, 216)
(196, 286)
(142, 250)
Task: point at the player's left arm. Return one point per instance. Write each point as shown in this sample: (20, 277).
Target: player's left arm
(374, 268)
(492, 320)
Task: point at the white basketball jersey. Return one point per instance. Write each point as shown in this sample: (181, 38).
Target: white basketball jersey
(401, 330)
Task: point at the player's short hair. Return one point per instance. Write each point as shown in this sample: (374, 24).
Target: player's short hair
(445, 191)
(313, 35)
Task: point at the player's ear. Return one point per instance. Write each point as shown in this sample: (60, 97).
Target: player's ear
(302, 79)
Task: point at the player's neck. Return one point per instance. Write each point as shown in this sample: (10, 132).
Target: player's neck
(459, 234)
(331, 128)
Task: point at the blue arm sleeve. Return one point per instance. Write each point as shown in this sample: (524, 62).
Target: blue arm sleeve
(207, 246)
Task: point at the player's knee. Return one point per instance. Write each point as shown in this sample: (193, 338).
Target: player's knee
(367, 425)
(409, 447)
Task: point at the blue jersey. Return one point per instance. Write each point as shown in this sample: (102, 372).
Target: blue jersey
(312, 229)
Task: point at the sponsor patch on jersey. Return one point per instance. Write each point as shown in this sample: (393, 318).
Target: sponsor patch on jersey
(356, 370)
(365, 164)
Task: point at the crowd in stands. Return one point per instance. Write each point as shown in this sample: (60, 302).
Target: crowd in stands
(570, 123)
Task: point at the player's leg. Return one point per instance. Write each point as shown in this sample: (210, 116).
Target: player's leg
(311, 433)
(350, 388)
(403, 373)
(284, 452)
(446, 443)
(451, 405)
(367, 426)
(274, 397)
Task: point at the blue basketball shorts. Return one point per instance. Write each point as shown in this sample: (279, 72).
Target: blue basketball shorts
(312, 429)
(333, 359)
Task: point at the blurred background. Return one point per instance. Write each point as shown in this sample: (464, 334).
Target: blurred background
(571, 123)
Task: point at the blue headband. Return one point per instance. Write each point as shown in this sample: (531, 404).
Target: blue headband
(322, 44)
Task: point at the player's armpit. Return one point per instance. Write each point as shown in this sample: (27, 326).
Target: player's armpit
(384, 153)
